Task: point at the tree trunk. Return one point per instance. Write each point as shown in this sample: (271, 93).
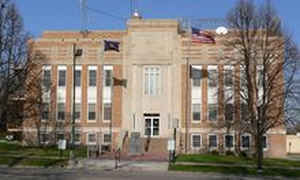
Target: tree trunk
(3, 121)
(259, 151)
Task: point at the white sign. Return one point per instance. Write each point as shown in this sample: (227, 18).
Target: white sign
(62, 144)
(171, 145)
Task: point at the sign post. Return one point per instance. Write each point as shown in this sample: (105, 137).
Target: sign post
(171, 149)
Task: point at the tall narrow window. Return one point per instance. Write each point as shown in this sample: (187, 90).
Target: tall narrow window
(196, 77)
(92, 78)
(47, 79)
(196, 112)
(77, 78)
(77, 111)
(61, 111)
(212, 78)
(92, 111)
(108, 79)
(151, 80)
(45, 113)
(212, 141)
(107, 111)
(229, 112)
(196, 141)
(264, 142)
(244, 112)
(228, 76)
(62, 78)
(245, 141)
(228, 141)
(212, 112)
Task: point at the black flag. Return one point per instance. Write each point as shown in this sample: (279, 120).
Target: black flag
(111, 46)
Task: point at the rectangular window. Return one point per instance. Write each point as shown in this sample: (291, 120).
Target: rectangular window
(77, 137)
(228, 77)
(151, 126)
(196, 140)
(196, 112)
(44, 137)
(92, 78)
(244, 112)
(47, 79)
(108, 78)
(92, 138)
(212, 78)
(77, 78)
(228, 141)
(45, 113)
(61, 111)
(107, 138)
(60, 136)
(62, 78)
(229, 112)
(245, 141)
(264, 142)
(107, 111)
(77, 111)
(260, 76)
(212, 141)
(151, 80)
(92, 111)
(196, 77)
(212, 112)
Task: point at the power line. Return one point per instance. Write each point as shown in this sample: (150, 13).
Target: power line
(107, 14)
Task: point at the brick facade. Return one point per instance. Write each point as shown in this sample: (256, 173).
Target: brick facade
(145, 43)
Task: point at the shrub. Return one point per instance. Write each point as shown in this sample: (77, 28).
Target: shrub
(229, 153)
(215, 152)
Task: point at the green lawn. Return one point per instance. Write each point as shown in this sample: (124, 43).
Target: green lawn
(13, 154)
(236, 170)
(235, 160)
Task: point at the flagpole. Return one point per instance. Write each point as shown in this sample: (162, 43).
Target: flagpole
(187, 89)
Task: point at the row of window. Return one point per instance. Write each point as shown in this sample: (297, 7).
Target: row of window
(212, 76)
(229, 142)
(91, 116)
(91, 138)
(92, 77)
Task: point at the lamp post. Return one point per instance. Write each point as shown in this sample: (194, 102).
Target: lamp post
(76, 53)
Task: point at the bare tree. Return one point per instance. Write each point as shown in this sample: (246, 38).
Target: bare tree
(13, 41)
(266, 58)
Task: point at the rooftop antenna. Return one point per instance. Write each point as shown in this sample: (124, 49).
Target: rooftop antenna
(134, 9)
(83, 15)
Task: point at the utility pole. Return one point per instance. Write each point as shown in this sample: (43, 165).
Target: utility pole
(76, 53)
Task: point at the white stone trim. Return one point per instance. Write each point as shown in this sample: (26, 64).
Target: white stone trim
(212, 67)
(61, 67)
(46, 67)
(107, 67)
(78, 67)
(92, 67)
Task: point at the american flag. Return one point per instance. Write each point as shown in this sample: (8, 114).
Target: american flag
(200, 36)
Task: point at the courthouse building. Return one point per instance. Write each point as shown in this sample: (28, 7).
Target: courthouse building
(133, 97)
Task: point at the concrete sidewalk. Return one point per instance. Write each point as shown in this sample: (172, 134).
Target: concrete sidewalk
(109, 165)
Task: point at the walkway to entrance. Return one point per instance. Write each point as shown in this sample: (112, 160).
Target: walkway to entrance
(106, 164)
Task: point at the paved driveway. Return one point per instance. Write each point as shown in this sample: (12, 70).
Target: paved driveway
(84, 174)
